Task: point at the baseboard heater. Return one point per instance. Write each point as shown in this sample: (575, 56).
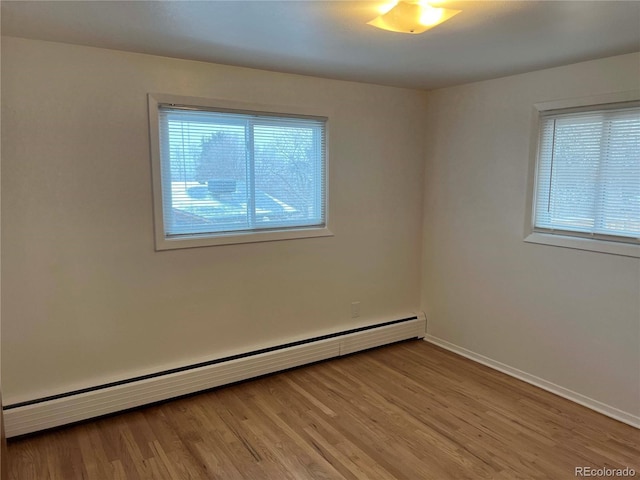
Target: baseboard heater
(44, 413)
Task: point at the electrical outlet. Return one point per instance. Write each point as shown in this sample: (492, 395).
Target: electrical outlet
(355, 309)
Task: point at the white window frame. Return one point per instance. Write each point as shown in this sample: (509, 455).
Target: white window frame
(566, 239)
(162, 242)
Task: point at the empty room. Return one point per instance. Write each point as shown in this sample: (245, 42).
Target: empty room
(320, 240)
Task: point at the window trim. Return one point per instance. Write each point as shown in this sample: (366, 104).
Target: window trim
(224, 238)
(565, 239)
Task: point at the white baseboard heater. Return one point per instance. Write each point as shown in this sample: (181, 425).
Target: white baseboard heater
(44, 413)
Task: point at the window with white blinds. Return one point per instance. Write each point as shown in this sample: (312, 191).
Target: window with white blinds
(235, 172)
(588, 174)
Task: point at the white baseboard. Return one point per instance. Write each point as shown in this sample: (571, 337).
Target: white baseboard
(47, 413)
(583, 400)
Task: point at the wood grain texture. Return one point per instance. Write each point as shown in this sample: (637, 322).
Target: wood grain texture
(4, 467)
(406, 411)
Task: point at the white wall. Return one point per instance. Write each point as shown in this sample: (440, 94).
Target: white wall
(86, 299)
(567, 316)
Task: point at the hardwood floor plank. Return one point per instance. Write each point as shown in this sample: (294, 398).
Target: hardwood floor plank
(403, 412)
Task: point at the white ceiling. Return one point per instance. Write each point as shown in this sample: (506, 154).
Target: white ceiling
(330, 39)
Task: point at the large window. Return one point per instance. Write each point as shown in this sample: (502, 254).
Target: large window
(587, 181)
(232, 176)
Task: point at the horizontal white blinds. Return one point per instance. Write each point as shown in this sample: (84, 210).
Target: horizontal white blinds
(588, 179)
(240, 172)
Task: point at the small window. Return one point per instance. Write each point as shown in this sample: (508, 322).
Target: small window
(588, 173)
(235, 176)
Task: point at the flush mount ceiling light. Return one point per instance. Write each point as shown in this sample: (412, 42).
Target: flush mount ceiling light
(412, 17)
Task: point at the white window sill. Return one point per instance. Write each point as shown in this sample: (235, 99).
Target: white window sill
(601, 246)
(236, 237)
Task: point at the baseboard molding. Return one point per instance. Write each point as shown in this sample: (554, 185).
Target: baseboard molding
(583, 400)
(49, 412)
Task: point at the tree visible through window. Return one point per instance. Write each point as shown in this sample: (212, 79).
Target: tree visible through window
(240, 172)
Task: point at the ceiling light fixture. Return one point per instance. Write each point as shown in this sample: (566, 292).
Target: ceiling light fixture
(412, 17)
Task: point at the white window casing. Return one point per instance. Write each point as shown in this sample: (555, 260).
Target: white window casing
(584, 188)
(225, 172)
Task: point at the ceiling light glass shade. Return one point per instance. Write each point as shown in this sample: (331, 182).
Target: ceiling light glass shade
(406, 17)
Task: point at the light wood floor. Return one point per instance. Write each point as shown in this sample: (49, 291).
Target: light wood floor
(407, 411)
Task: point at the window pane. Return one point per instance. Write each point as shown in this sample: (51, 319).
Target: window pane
(228, 172)
(576, 159)
(206, 166)
(621, 178)
(286, 175)
(589, 173)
